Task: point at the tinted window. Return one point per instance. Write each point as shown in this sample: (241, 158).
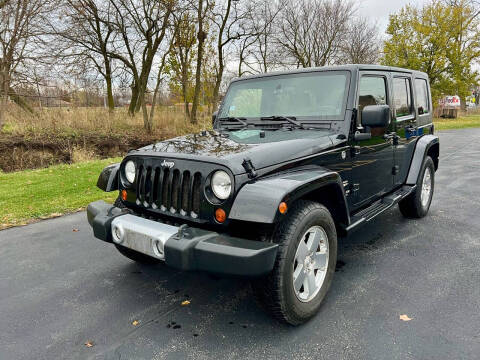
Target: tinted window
(371, 91)
(421, 95)
(402, 96)
(315, 96)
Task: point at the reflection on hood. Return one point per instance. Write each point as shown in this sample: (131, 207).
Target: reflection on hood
(232, 148)
(204, 143)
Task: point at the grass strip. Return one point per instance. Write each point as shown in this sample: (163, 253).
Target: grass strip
(50, 192)
(462, 122)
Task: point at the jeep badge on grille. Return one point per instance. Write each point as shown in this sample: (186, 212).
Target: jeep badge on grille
(169, 164)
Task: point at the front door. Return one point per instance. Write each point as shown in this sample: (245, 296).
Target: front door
(372, 158)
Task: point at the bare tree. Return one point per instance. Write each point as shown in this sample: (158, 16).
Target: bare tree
(362, 45)
(311, 32)
(87, 33)
(20, 26)
(203, 7)
(182, 54)
(256, 50)
(230, 18)
(140, 28)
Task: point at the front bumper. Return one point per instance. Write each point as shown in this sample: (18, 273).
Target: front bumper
(185, 248)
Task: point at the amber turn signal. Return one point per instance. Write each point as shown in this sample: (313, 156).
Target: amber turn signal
(124, 195)
(282, 207)
(220, 215)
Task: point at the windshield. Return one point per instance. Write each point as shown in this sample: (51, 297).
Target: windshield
(306, 96)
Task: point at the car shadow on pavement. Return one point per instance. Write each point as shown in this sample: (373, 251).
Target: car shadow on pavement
(231, 297)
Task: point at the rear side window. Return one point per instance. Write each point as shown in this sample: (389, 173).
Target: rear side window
(421, 96)
(402, 95)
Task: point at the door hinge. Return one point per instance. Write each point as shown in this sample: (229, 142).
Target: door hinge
(395, 170)
(249, 168)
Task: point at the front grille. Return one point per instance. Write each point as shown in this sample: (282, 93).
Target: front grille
(169, 190)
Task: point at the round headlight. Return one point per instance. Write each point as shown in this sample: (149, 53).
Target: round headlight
(221, 185)
(130, 171)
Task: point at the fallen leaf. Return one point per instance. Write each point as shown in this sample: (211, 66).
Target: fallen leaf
(185, 302)
(75, 230)
(135, 322)
(405, 317)
(89, 343)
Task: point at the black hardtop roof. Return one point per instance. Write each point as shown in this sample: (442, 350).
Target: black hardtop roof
(350, 67)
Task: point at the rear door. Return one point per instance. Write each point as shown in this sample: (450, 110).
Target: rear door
(405, 125)
(372, 158)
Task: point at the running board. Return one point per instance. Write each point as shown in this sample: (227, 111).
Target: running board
(379, 206)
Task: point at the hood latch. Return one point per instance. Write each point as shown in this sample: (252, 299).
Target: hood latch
(249, 168)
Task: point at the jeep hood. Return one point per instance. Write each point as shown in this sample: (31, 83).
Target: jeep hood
(231, 149)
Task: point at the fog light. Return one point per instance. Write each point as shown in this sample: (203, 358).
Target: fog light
(124, 195)
(117, 234)
(158, 249)
(220, 215)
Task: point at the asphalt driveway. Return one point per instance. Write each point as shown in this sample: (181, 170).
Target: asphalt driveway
(59, 288)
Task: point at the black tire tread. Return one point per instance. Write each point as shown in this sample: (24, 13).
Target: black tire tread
(410, 207)
(268, 290)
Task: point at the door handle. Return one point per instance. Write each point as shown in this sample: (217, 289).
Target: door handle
(389, 136)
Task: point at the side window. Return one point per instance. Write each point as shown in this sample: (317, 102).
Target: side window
(402, 97)
(372, 90)
(421, 96)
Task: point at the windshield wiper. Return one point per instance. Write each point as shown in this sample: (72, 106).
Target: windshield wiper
(291, 119)
(232, 118)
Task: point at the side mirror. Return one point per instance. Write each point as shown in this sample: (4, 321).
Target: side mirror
(214, 117)
(376, 116)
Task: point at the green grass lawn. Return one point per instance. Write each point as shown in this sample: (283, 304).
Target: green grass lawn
(54, 191)
(469, 121)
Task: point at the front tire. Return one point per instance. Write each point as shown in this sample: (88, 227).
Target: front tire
(417, 204)
(305, 264)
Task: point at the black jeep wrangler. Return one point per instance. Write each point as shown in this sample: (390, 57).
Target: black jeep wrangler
(295, 159)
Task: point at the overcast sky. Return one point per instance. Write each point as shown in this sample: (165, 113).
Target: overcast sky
(378, 10)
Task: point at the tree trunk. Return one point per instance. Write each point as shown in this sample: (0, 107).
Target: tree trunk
(143, 80)
(185, 98)
(3, 105)
(201, 36)
(218, 82)
(155, 94)
(133, 100)
(141, 95)
(147, 124)
(3, 95)
(108, 80)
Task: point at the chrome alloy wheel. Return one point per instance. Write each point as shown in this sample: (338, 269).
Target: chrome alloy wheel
(426, 187)
(310, 264)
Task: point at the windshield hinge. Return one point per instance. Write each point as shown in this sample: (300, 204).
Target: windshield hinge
(353, 123)
(249, 168)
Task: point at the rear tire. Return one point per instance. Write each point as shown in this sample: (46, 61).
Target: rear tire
(417, 204)
(286, 292)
